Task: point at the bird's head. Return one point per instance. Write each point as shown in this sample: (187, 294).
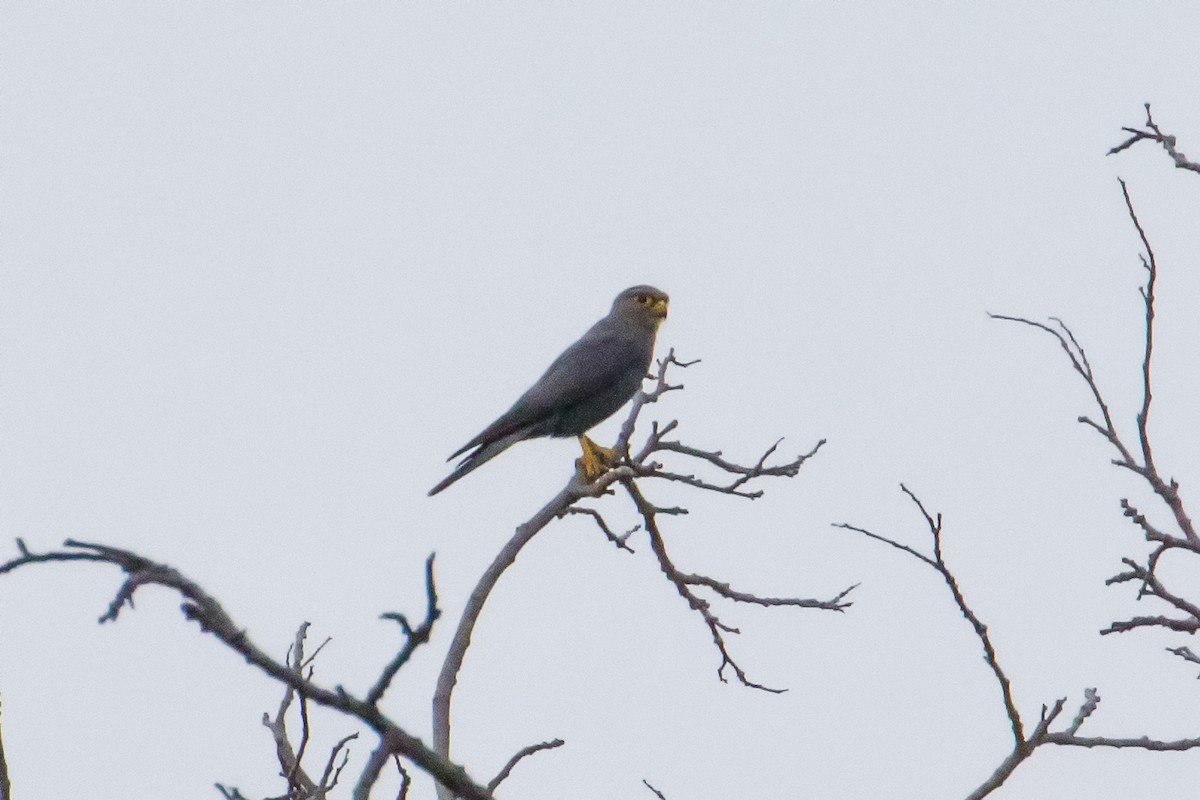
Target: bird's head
(643, 302)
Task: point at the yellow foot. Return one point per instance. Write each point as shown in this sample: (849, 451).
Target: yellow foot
(596, 460)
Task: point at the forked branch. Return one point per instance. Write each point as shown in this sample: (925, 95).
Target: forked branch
(204, 609)
(1142, 463)
(1152, 133)
(1024, 744)
(685, 584)
(633, 465)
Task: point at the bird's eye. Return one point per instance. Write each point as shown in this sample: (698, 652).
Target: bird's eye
(643, 299)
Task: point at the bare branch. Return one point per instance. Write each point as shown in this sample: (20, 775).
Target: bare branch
(575, 490)
(1024, 746)
(1023, 750)
(520, 754)
(934, 523)
(405, 779)
(621, 541)
(1153, 534)
(297, 661)
(1140, 743)
(746, 473)
(1154, 134)
(683, 581)
(1144, 466)
(724, 589)
(641, 399)
(657, 793)
(1186, 654)
(374, 766)
(912, 552)
(1151, 266)
(5, 785)
(300, 784)
(653, 470)
(333, 769)
(289, 761)
(1151, 586)
(413, 637)
(25, 557)
(202, 608)
(1167, 491)
(1158, 621)
(1066, 340)
(1091, 702)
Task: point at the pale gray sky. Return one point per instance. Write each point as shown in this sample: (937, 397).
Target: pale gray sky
(265, 265)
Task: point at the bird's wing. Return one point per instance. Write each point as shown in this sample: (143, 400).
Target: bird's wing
(601, 357)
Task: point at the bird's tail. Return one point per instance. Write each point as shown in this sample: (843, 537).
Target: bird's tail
(477, 459)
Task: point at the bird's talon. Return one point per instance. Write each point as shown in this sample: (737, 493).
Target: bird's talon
(596, 460)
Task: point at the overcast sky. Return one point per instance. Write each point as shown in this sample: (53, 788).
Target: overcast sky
(264, 266)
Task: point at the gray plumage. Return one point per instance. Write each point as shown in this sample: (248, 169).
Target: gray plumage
(584, 386)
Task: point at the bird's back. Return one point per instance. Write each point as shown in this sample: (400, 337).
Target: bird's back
(586, 384)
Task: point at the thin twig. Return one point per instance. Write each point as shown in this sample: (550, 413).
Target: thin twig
(5, 785)
(520, 754)
(405, 779)
(298, 666)
(1186, 654)
(333, 769)
(937, 562)
(657, 793)
(413, 637)
(620, 540)
(1154, 133)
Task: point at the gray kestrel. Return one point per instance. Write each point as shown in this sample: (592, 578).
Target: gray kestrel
(584, 386)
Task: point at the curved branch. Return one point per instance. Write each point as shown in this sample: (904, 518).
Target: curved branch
(413, 637)
(520, 754)
(575, 490)
(934, 523)
(204, 609)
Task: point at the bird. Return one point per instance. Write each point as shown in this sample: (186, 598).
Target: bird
(584, 386)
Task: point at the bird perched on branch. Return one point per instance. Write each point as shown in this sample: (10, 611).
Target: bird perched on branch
(583, 387)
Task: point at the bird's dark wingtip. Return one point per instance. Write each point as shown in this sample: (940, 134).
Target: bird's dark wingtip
(462, 450)
(477, 458)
